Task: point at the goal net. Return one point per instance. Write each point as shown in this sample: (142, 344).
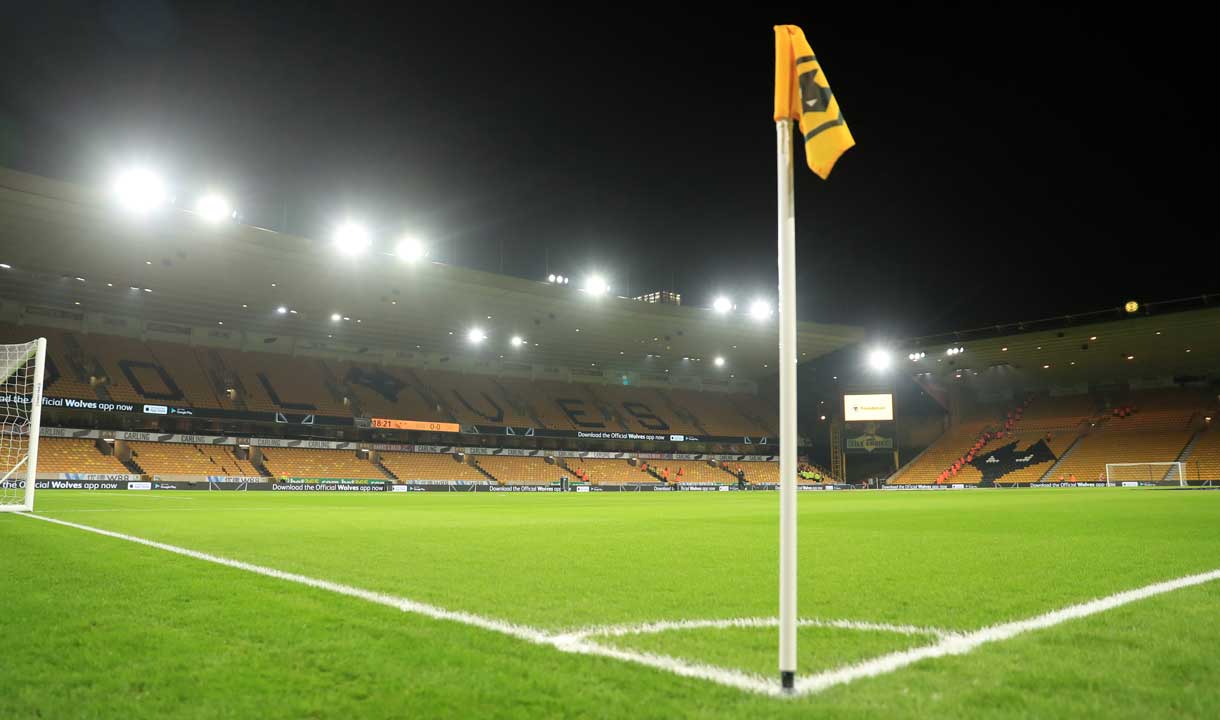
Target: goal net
(1161, 473)
(21, 369)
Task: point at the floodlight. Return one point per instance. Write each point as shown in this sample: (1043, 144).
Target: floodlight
(475, 336)
(335, 317)
(140, 191)
(722, 305)
(760, 310)
(596, 285)
(282, 310)
(352, 239)
(879, 359)
(213, 207)
(411, 248)
(517, 341)
(550, 278)
(719, 361)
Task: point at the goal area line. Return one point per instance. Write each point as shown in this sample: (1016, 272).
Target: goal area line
(583, 641)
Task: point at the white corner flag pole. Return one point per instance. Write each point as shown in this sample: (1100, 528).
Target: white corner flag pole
(787, 406)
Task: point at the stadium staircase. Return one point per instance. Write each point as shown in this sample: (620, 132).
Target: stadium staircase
(340, 391)
(132, 465)
(1050, 473)
(73, 357)
(222, 378)
(682, 413)
(475, 464)
(381, 466)
(258, 465)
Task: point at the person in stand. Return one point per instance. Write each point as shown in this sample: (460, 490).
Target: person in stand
(1072, 478)
(665, 474)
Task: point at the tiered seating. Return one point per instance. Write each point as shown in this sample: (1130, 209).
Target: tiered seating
(73, 455)
(183, 364)
(108, 351)
(542, 396)
(644, 402)
(397, 398)
(1059, 442)
(428, 466)
(312, 463)
(693, 471)
(294, 380)
(66, 385)
(768, 472)
(513, 470)
(942, 453)
(183, 459)
(309, 385)
(475, 390)
(1115, 444)
(1204, 460)
(603, 471)
(718, 413)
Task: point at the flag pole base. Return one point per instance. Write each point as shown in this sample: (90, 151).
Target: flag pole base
(787, 679)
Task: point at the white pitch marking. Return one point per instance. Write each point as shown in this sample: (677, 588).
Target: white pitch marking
(960, 644)
(537, 636)
(748, 622)
(950, 644)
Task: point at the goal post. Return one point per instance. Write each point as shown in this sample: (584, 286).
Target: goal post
(21, 374)
(1160, 473)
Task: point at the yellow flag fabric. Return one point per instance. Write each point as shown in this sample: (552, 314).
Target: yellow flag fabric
(802, 93)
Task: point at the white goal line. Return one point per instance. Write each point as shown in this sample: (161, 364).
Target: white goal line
(948, 642)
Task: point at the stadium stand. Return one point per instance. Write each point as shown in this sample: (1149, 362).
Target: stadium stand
(158, 458)
(386, 392)
(72, 455)
(768, 473)
(127, 369)
(927, 467)
(313, 463)
(693, 471)
(188, 373)
(608, 471)
(1203, 463)
(474, 399)
(428, 466)
(1116, 444)
(66, 376)
(514, 470)
(723, 414)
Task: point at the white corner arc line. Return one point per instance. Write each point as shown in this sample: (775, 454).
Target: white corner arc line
(659, 626)
(949, 644)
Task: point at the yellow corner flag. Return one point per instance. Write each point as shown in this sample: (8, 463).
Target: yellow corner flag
(803, 93)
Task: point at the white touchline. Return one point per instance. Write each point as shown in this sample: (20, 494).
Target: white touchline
(949, 643)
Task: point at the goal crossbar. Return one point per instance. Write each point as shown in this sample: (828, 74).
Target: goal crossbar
(1146, 472)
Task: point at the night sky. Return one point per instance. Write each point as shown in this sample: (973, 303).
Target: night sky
(1009, 164)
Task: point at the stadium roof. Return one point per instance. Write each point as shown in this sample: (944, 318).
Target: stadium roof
(1158, 340)
(53, 233)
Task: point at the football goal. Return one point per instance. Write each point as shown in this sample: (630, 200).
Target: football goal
(21, 368)
(1161, 473)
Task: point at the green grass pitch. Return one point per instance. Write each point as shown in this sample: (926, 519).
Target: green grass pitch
(92, 626)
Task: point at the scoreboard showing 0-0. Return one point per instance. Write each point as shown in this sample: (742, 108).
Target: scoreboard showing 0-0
(863, 408)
